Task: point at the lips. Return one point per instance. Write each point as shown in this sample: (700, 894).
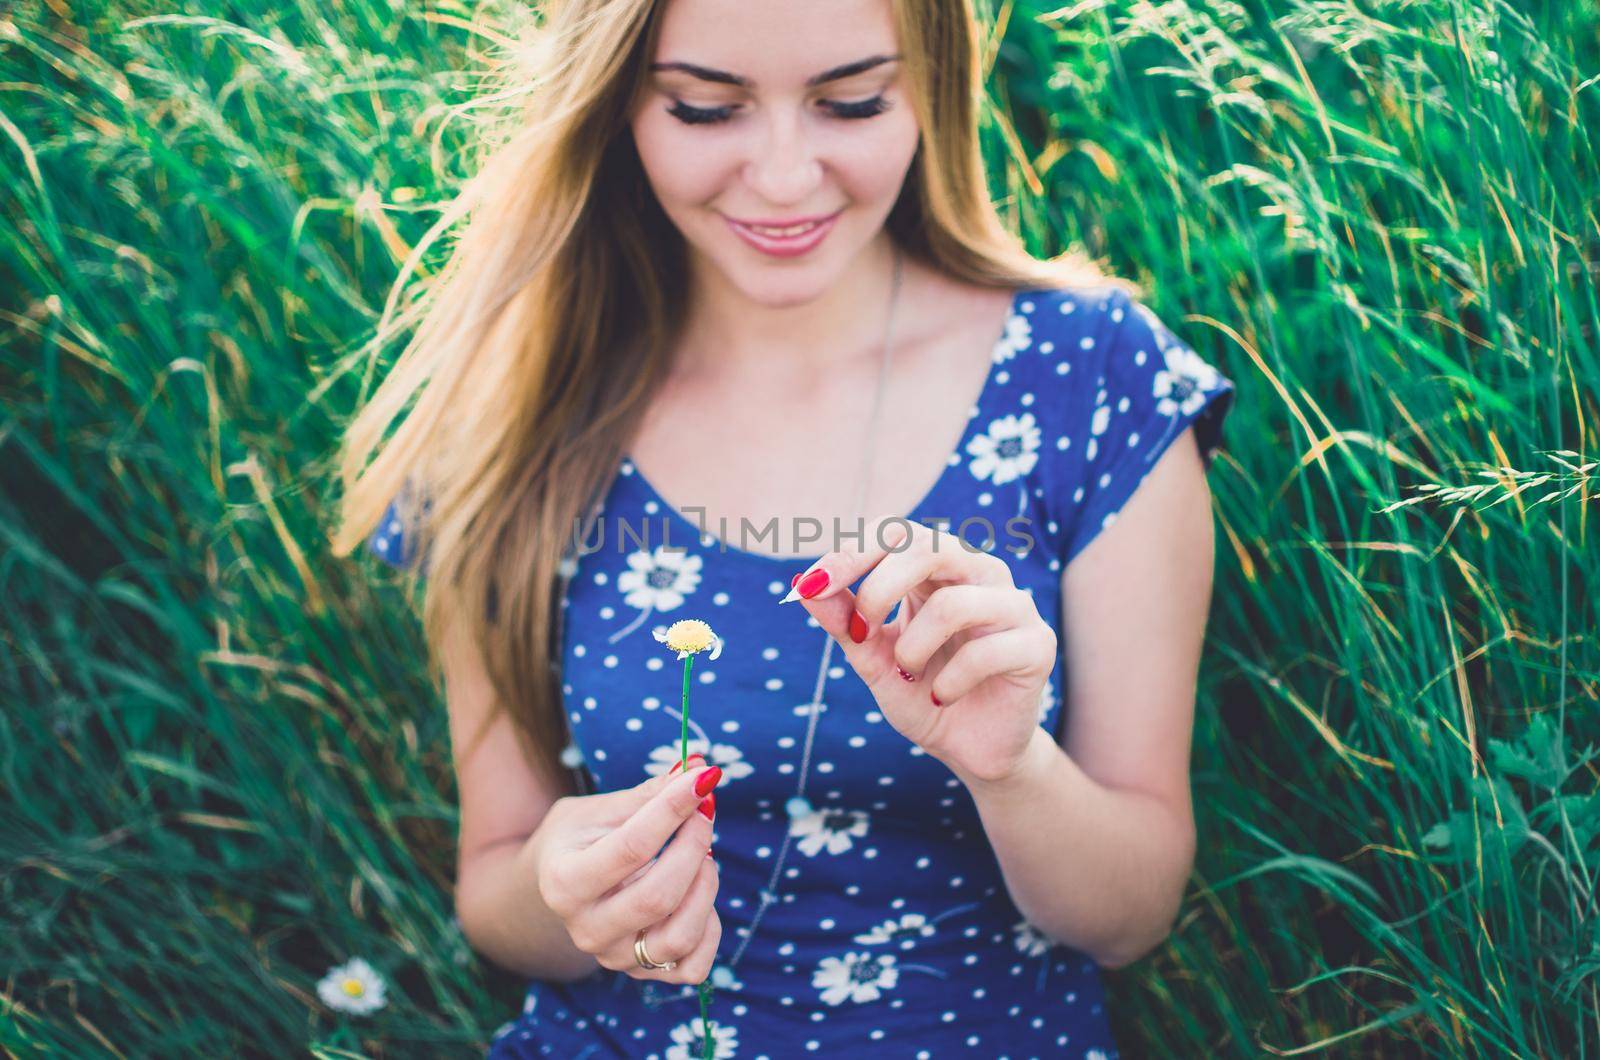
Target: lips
(774, 223)
(785, 242)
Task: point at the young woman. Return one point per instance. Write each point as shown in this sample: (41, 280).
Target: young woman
(734, 269)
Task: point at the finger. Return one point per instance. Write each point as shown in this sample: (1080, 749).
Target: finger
(697, 965)
(620, 955)
(660, 889)
(975, 610)
(1025, 653)
(681, 932)
(872, 655)
(931, 556)
(661, 780)
(611, 858)
(614, 807)
(838, 569)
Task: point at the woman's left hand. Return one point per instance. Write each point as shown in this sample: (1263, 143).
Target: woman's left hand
(965, 637)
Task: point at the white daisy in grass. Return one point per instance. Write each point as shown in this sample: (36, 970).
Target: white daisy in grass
(1029, 940)
(1006, 451)
(354, 987)
(1018, 336)
(827, 828)
(909, 926)
(724, 755)
(688, 1041)
(856, 977)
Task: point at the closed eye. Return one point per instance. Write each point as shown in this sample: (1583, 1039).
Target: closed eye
(855, 110)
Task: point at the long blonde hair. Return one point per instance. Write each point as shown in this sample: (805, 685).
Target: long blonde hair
(539, 343)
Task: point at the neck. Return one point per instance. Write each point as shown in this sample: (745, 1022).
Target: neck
(730, 333)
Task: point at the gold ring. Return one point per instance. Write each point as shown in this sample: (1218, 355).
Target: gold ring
(641, 955)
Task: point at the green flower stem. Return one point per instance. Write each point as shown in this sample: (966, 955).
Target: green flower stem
(683, 714)
(705, 987)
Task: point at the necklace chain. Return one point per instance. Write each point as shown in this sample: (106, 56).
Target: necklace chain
(768, 895)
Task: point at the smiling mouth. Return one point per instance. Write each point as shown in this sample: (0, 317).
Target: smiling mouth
(785, 231)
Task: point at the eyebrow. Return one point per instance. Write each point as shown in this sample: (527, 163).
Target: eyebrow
(725, 78)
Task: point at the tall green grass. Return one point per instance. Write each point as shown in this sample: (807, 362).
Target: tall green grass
(223, 770)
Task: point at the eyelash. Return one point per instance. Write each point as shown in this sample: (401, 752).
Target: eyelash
(866, 108)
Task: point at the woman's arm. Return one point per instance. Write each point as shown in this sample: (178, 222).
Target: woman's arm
(1096, 837)
(503, 804)
(506, 919)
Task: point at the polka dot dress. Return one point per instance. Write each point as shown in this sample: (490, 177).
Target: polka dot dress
(862, 905)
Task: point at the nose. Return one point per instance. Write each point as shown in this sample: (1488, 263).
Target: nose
(785, 168)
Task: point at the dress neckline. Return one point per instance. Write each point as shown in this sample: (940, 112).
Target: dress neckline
(952, 461)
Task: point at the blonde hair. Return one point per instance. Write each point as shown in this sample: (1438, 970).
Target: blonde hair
(540, 341)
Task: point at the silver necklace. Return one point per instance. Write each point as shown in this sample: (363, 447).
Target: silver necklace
(797, 804)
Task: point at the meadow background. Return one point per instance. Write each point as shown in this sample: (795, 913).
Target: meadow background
(222, 769)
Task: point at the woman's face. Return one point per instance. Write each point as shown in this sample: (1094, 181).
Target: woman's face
(771, 111)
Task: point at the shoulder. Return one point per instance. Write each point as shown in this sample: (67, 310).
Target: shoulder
(1115, 386)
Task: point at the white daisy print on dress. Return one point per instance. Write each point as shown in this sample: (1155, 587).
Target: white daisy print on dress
(656, 580)
(1029, 940)
(1047, 699)
(1181, 386)
(689, 1039)
(724, 755)
(828, 828)
(1005, 452)
(909, 927)
(354, 987)
(1018, 336)
(858, 977)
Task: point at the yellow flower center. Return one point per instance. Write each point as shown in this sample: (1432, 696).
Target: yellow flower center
(690, 635)
(354, 987)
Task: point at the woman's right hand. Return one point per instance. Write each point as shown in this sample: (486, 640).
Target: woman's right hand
(599, 871)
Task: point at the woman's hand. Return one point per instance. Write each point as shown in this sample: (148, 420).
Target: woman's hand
(601, 874)
(965, 637)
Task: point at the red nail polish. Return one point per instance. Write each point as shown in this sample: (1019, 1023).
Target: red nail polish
(858, 626)
(709, 807)
(934, 698)
(813, 583)
(907, 676)
(708, 780)
(795, 578)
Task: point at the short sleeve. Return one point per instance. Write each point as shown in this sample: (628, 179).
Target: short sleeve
(1149, 386)
(393, 541)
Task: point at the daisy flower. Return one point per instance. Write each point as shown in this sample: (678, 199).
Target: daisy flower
(689, 636)
(354, 987)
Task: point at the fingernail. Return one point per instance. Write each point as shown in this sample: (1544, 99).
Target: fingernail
(934, 698)
(679, 765)
(795, 578)
(907, 676)
(708, 780)
(708, 806)
(858, 626)
(813, 583)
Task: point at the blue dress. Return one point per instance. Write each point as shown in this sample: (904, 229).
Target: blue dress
(862, 906)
